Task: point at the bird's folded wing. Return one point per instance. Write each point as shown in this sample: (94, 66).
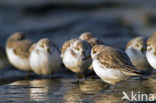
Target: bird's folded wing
(116, 59)
(66, 45)
(22, 48)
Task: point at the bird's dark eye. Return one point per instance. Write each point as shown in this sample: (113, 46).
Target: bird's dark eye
(94, 52)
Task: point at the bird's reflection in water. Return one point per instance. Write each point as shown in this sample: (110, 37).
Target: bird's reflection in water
(17, 91)
(135, 86)
(80, 93)
(99, 92)
(93, 86)
(64, 90)
(149, 87)
(72, 93)
(40, 90)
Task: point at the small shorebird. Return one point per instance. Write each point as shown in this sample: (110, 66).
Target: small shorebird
(136, 50)
(44, 57)
(151, 50)
(112, 65)
(3, 58)
(17, 49)
(92, 40)
(73, 53)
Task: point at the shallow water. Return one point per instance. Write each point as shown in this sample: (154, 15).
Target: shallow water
(69, 91)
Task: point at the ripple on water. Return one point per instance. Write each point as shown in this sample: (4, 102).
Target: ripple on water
(66, 90)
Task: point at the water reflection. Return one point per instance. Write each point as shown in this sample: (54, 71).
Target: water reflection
(72, 92)
(97, 91)
(150, 87)
(40, 89)
(84, 91)
(65, 90)
(93, 86)
(36, 90)
(137, 86)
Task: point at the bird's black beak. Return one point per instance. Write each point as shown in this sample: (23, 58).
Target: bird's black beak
(143, 50)
(86, 58)
(48, 50)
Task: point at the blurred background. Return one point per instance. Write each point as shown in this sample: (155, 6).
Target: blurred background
(114, 21)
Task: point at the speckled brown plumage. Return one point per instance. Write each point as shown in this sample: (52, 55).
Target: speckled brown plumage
(92, 40)
(95, 41)
(139, 41)
(82, 44)
(19, 44)
(151, 41)
(32, 47)
(66, 45)
(116, 59)
(85, 36)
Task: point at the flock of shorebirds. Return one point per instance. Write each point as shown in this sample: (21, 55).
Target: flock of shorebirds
(82, 54)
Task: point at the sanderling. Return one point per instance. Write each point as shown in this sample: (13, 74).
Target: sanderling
(151, 50)
(44, 57)
(92, 40)
(136, 50)
(112, 65)
(73, 53)
(17, 49)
